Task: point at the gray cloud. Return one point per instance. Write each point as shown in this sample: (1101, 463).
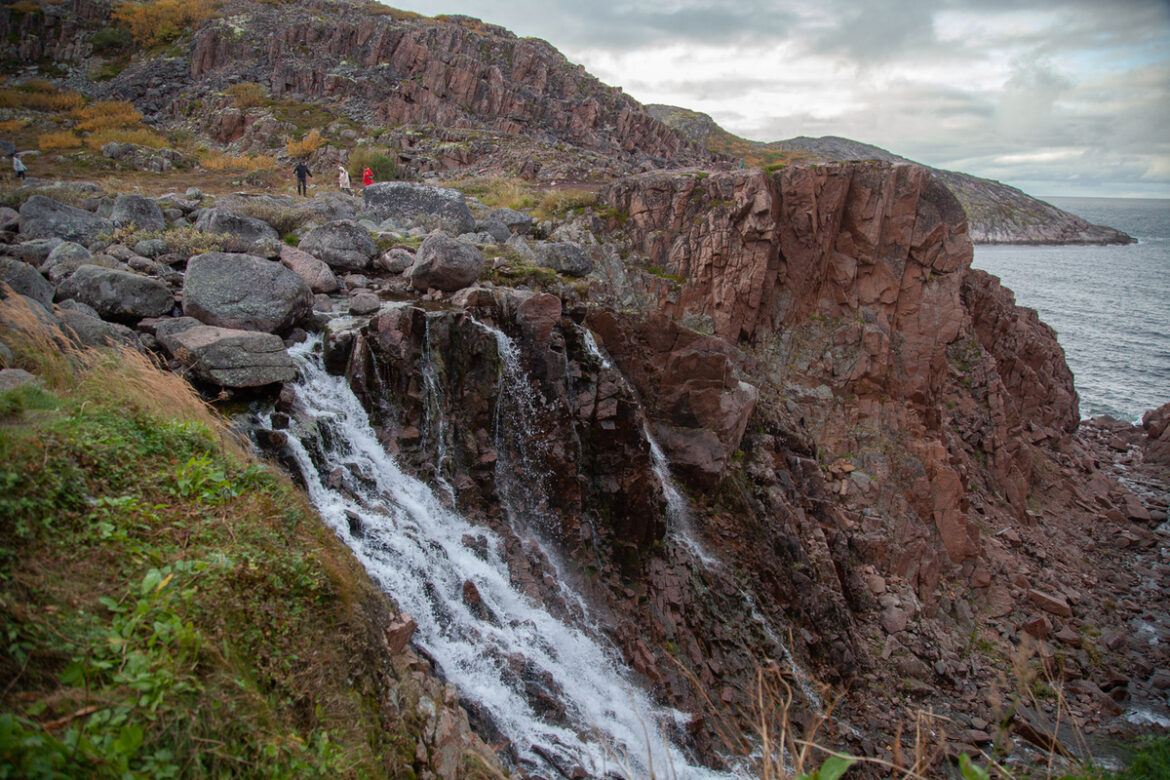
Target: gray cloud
(1075, 93)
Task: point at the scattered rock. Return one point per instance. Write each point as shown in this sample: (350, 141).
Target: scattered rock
(231, 358)
(342, 244)
(42, 217)
(445, 263)
(564, 258)
(423, 204)
(25, 280)
(143, 213)
(316, 273)
(117, 295)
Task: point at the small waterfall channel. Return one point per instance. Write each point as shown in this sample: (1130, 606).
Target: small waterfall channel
(682, 527)
(423, 553)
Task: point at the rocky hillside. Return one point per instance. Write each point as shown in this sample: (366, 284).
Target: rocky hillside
(996, 212)
(445, 93)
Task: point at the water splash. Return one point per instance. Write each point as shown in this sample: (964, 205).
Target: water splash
(497, 652)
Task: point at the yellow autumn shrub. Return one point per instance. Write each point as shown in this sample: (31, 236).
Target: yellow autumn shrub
(306, 146)
(106, 114)
(65, 139)
(162, 21)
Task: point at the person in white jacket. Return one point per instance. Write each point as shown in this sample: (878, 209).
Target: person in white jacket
(343, 180)
(18, 166)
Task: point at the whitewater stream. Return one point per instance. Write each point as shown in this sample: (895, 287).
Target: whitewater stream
(423, 554)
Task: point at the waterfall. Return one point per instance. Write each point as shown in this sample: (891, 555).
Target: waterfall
(435, 416)
(678, 509)
(422, 553)
(681, 525)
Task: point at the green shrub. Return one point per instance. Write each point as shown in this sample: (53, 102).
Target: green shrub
(111, 40)
(380, 163)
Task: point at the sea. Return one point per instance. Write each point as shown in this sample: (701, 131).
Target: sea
(1109, 305)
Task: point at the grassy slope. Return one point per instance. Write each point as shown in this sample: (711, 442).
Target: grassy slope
(167, 607)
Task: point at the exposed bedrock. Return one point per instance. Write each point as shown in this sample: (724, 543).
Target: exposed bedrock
(848, 291)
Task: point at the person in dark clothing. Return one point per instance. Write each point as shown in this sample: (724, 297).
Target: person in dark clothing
(302, 171)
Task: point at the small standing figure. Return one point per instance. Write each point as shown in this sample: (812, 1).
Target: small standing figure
(343, 179)
(367, 177)
(18, 166)
(302, 171)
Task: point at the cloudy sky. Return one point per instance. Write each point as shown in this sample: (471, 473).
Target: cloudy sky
(1057, 97)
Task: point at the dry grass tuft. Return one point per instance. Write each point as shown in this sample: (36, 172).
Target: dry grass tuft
(141, 136)
(238, 162)
(63, 139)
(246, 94)
(116, 375)
(106, 114)
(163, 21)
(12, 125)
(38, 95)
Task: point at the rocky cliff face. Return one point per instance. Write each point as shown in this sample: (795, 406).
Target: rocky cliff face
(850, 286)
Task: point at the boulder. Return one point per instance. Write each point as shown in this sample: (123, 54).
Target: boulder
(563, 257)
(42, 217)
(517, 221)
(141, 212)
(9, 219)
(446, 264)
(364, 303)
(231, 358)
(421, 203)
(316, 273)
(342, 244)
(117, 295)
(244, 230)
(67, 251)
(396, 260)
(244, 292)
(91, 331)
(65, 264)
(499, 231)
(36, 250)
(24, 279)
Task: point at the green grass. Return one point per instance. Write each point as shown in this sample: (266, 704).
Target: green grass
(169, 607)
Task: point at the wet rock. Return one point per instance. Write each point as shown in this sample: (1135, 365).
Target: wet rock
(364, 303)
(399, 632)
(244, 292)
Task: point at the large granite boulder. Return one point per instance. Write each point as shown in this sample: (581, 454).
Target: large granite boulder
(316, 273)
(243, 230)
(42, 217)
(424, 204)
(244, 292)
(141, 212)
(563, 257)
(231, 358)
(24, 279)
(117, 295)
(445, 264)
(342, 244)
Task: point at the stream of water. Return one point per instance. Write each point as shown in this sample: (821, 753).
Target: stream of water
(423, 553)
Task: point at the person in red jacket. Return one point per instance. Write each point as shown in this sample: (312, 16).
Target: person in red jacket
(367, 177)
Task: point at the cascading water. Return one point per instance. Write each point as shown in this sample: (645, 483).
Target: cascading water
(434, 423)
(422, 553)
(678, 510)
